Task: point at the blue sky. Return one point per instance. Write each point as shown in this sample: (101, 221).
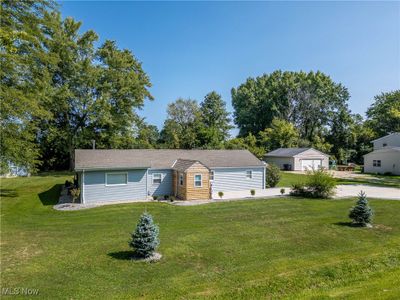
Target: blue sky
(191, 48)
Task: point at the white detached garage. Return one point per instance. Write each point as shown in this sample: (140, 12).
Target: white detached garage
(298, 159)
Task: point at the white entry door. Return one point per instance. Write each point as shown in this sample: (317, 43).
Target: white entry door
(311, 164)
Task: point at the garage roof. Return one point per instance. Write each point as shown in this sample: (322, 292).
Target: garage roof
(161, 158)
(290, 152)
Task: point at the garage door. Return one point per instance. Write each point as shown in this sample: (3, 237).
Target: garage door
(311, 164)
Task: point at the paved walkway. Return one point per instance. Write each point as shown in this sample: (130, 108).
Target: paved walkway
(342, 191)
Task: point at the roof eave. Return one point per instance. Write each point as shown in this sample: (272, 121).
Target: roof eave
(78, 169)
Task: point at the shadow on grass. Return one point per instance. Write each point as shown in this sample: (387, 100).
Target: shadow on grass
(122, 255)
(50, 197)
(347, 224)
(55, 174)
(12, 193)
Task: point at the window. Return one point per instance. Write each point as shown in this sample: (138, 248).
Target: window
(180, 179)
(116, 178)
(212, 175)
(249, 174)
(157, 178)
(198, 180)
(376, 163)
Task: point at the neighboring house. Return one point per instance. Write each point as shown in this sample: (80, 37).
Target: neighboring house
(123, 175)
(386, 155)
(14, 171)
(298, 159)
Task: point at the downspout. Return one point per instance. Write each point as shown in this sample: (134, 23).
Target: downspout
(264, 176)
(83, 186)
(147, 179)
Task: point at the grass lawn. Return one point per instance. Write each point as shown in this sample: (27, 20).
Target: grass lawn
(289, 178)
(277, 248)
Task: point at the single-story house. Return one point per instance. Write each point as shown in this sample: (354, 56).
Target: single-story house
(386, 155)
(297, 159)
(136, 174)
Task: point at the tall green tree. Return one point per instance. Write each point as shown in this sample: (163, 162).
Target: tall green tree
(384, 114)
(182, 125)
(281, 134)
(307, 100)
(248, 142)
(215, 121)
(96, 93)
(24, 78)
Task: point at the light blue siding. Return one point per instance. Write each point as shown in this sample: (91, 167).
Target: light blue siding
(234, 179)
(163, 188)
(96, 190)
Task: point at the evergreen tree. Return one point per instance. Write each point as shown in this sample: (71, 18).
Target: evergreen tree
(361, 213)
(215, 121)
(145, 237)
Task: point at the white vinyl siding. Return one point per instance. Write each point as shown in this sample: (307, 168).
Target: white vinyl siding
(232, 179)
(163, 188)
(95, 189)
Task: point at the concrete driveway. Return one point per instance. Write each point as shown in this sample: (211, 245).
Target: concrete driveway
(342, 191)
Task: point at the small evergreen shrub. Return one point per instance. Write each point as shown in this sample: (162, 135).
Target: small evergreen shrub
(75, 193)
(166, 197)
(155, 198)
(252, 192)
(145, 237)
(282, 191)
(221, 194)
(172, 198)
(361, 214)
(319, 184)
(273, 175)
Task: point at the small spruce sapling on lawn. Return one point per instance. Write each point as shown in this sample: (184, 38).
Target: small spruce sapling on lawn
(282, 191)
(221, 194)
(145, 237)
(361, 214)
(252, 192)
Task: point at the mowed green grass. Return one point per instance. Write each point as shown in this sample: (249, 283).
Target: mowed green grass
(289, 178)
(275, 248)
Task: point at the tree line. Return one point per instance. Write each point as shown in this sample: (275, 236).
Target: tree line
(60, 90)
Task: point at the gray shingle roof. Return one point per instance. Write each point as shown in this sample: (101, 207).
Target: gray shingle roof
(289, 152)
(161, 158)
(183, 164)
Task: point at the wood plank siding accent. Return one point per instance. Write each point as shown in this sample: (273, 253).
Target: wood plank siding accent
(188, 191)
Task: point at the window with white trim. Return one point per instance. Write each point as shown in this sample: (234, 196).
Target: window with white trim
(157, 178)
(212, 175)
(180, 179)
(198, 182)
(116, 178)
(376, 163)
(249, 174)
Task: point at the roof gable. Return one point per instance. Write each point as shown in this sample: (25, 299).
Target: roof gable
(386, 136)
(290, 152)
